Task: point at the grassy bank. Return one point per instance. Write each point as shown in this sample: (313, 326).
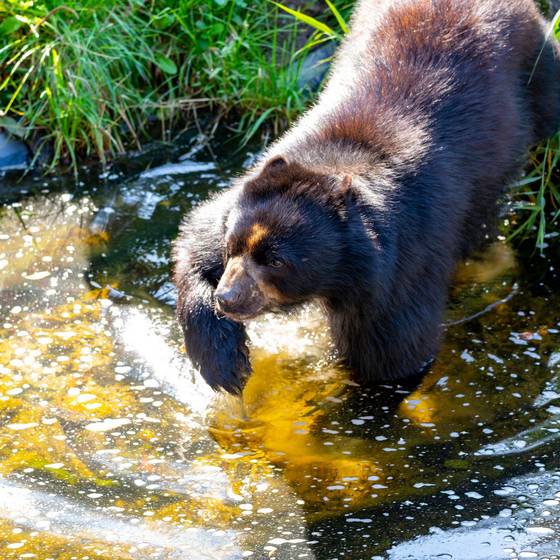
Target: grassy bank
(87, 78)
(93, 78)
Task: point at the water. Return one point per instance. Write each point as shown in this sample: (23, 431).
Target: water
(111, 447)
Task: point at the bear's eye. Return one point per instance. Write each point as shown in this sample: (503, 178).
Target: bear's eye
(275, 262)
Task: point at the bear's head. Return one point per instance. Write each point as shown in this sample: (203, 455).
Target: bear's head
(284, 239)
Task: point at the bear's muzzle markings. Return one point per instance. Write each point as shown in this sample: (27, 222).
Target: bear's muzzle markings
(238, 295)
(369, 201)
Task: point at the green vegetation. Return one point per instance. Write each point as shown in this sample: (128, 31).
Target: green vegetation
(537, 196)
(87, 77)
(90, 78)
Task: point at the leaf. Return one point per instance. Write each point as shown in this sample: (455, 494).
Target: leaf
(315, 23)
(216, 29)
(338, 17)
(556, 24)
(526, 181)
(256, 125)
(163, 21)
(551, 31)
(165, 64)
(13, 127)
(10, 25)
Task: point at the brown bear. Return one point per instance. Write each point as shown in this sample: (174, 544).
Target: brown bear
(369, 201)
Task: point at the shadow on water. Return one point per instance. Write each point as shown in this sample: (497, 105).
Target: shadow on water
(111, 447)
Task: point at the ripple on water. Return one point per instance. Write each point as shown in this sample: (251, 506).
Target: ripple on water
(112, 447)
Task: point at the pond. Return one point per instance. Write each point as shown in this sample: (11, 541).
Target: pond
(112, 447)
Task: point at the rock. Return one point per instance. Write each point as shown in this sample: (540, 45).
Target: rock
(549, 7)
(167, 293)
(315, 66)
(554, 360)
(13, 153)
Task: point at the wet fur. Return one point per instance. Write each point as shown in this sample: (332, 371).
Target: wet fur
(430, 110)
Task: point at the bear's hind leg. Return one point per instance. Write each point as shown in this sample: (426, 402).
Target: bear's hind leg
(390, 346)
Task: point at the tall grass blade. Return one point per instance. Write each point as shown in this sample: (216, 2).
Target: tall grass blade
(550, 32)
(255, 127)
(311, 21)
(339, 18)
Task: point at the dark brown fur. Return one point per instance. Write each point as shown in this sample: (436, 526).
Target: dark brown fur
(371, 199)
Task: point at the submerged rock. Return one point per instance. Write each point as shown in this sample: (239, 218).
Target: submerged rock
(315, 67)
(550, 7)
(13, 153)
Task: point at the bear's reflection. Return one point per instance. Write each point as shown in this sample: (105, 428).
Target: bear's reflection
(342, 447)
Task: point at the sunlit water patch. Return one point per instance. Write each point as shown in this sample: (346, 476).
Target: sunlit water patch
(111, 445)
(526, 527)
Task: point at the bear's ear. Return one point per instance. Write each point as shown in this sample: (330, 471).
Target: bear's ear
(271, 177)
(275, 166)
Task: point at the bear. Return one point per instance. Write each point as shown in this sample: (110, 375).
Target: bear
(370, 200)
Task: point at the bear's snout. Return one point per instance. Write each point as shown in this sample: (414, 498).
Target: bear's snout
(228, 299)
(238, 295)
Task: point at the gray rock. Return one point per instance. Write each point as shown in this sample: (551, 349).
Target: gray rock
(554, 6)
(13, 153)
(315, 66)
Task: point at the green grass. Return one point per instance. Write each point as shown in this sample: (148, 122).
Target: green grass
(537, 196)
(85, 78)
(91, 78)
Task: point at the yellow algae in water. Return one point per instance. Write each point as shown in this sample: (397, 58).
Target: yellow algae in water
(497, 260)
(29, 264)
(418, 407)
(31, 347)
(272, 402)
(204, 511)
(276, 423)
(435, 403)
(421, 406)
(19, 542)
(38, 447)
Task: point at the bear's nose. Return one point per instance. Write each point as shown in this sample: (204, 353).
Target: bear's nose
(226, 299)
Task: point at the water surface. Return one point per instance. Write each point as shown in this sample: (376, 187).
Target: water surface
(111, 446)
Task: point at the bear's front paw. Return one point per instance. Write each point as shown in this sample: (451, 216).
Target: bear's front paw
(227, 372)
(225, 364)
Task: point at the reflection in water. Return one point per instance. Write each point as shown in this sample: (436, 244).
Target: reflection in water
(43, 512)
(111, 446)
(160, 361)
(527, 527)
